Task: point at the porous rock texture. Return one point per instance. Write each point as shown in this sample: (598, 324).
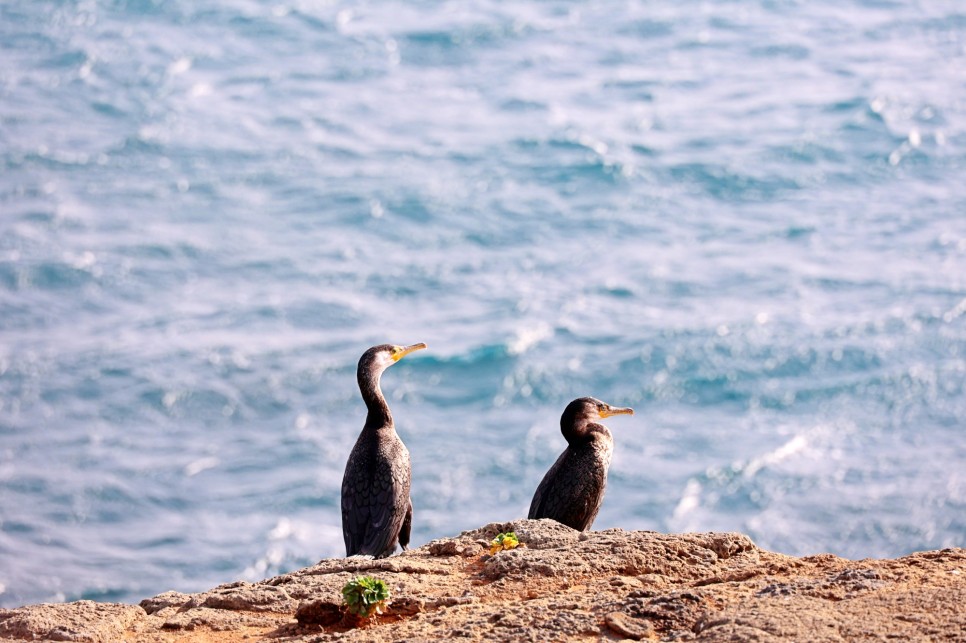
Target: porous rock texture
(560, 585)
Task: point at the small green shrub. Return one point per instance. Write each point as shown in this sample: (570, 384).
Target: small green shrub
(508, 540)
(366, 596)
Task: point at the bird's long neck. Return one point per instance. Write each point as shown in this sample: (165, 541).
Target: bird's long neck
(379, 415)
(582, 430)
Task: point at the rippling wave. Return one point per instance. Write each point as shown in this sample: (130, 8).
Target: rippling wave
(744, 220)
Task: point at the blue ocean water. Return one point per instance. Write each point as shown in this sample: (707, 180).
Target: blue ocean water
(744, 219)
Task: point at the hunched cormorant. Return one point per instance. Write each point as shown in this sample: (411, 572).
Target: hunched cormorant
(572, 491)
(377, 511)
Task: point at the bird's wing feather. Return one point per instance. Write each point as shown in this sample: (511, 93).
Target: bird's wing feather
(571, 492)
(545, 501)
(407, 526)
(375, 498)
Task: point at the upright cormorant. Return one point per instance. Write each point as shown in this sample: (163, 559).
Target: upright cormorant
(377, 511)
(572, 490)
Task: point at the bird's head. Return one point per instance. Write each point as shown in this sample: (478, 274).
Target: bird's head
(588, 409)
(378, 358)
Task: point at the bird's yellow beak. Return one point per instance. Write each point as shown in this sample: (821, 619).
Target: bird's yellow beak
(609, 410)
(399, 352)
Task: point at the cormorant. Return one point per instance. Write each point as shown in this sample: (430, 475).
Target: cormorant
(572, 490)
(377, 511)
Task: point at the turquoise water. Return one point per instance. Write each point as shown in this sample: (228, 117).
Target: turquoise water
(744, 219)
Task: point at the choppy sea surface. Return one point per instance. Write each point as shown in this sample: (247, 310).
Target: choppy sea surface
(747, 220)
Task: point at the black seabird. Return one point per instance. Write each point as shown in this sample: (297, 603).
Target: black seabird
(573, 489)
(377, 511)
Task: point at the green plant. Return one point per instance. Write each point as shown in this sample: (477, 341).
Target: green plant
(508, 540)
(365, 596)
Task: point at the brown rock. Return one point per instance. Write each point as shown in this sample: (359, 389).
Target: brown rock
(162, 601)
(248, 597)
(324, 613)
(629, 627)
(85, 621)
(559, 585)
(407, 606)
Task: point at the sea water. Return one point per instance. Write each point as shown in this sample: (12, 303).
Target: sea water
(746, 219)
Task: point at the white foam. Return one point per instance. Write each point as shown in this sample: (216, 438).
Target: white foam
(201, 464)
(528, 337)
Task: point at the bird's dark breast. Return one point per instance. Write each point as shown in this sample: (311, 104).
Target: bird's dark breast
(572, 491)
(375, 494)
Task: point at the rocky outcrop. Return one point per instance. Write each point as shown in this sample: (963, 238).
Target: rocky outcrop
(80, 621)
(559, 585)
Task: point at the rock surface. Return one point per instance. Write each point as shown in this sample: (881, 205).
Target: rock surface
(560, 585)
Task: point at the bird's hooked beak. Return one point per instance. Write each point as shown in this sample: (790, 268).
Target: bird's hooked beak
(607, 410)
(399, 352)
